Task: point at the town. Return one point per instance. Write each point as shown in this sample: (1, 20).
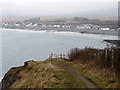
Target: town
(79, 24)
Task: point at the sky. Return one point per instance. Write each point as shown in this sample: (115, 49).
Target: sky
(59, 8)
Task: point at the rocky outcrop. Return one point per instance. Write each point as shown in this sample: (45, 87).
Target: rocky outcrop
(13, 75)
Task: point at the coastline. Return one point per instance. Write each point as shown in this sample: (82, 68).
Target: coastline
(86, 31)
(54, 31)
(107, 36)
(69, 33)
(38, 31)
(113, 42)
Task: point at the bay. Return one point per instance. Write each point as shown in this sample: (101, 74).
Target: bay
(19, 46)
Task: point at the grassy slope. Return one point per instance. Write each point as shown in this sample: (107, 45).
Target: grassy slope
(49, 74)
(102, 78)
(44, 74)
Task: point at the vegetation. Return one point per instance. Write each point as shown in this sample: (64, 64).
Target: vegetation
(44, 74)
(100, 66)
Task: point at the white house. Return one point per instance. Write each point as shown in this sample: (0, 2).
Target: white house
(30, 24)
(68, 26)
(43, 25)
(6, 24)
(17, 24)
(81, 27)
(104, 28)
(56, 26)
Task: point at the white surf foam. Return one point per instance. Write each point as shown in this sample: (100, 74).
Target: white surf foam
(88, 35)
(68, 33)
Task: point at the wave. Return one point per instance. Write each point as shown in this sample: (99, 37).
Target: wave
(68, 33)
(97, 36)
(24, 30)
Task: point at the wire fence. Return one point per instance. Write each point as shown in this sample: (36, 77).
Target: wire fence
(53, 55)
(103, 58)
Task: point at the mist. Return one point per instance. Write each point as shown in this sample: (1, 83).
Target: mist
(60, 8)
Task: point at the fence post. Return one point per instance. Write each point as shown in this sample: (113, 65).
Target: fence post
(56, 56)
(50, 57)
(112, 57)
(63, 56)
(98, 55)
(106, 55)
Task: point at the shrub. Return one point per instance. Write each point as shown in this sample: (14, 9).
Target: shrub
(103, 58)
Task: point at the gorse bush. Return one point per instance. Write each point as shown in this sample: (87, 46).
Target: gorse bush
(102, 58)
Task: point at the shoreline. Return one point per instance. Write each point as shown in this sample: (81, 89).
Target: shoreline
(90, 35)
(86, 31)
(62, 32)
(113, 42)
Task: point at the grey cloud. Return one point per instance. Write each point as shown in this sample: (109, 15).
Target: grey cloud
(47, 8)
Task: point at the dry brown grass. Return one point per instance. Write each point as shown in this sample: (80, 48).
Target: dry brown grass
(41, 75)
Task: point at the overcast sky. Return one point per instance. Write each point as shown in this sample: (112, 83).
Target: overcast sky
(59, 7)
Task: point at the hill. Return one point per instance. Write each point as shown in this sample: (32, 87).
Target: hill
(59, 73)
(44, 74)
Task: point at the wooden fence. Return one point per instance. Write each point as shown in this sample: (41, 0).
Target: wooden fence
(51, 56)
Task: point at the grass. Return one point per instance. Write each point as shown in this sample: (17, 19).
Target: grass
(80, 84)
(101, 66)
(103, 78)
(48, 74)
(43, 74)
(76, 84)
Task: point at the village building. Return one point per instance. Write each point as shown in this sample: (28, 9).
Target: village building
(104, 28)
(56, 26)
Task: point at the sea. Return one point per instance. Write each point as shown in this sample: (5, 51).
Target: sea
(18, 46)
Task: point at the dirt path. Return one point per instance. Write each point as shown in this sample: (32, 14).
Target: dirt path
(76, 74)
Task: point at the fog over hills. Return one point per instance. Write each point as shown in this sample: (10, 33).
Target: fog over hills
(88, 8)
(112, 12)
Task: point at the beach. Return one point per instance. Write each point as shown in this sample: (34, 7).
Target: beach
(88, 31)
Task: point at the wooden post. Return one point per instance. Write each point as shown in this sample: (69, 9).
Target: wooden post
(112, 57)
(50, 56)
(106, 52)
(56, 56)
(63, 56)
(106, 55)
(68, 56)
(98, 55)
